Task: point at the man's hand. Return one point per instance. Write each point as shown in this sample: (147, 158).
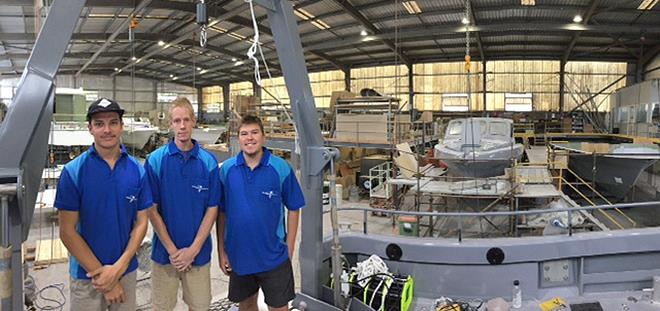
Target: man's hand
(183, 259)
(225, 266)
(115, 295)
(105, 278)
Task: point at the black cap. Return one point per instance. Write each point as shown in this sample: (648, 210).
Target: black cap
(104, 105)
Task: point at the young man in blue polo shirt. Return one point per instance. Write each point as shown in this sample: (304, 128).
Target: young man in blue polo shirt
(253, 246)
(185, 185)
(101, 197)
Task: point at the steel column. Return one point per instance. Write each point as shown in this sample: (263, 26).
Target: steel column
(290, 53)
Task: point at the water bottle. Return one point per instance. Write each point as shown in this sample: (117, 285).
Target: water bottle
(516, 300)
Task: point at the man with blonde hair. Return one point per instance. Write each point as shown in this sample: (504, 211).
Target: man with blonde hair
(186, 190)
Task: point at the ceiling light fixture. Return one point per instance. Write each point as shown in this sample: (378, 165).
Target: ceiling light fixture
(233, 59)
(320, 24)
(528, 2)
(133, 58)
(363, 33)
(412, 7)
(647, 4)
(238, 63)
(161, 42)
(465, 21)
(577, 18)
(175, 78)
(116, 69)
(171, 76)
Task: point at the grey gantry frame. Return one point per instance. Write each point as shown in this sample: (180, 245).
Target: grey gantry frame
(314, 156)
(24, 135)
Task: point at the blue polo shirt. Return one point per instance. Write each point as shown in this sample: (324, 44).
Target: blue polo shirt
(107, 201)
(253, 202)
(183, 186)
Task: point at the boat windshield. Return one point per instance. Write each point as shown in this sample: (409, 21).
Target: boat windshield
(483, 127)
(499, 129)
(455, 128)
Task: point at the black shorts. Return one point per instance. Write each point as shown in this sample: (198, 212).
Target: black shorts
(277, 285)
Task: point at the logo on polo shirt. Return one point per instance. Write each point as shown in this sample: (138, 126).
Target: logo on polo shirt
(199, 188)
(269, 194)
(131, 198)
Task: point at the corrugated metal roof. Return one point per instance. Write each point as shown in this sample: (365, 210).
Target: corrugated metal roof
(342, 40)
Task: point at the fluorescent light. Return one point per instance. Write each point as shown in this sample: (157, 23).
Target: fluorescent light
(528, 2)
(133, 58)
(175, 78)
(577, 18)
(116, 69)
(303, 14)
(101, 15)
(363, 33)
(647, 4)
(199, 68)
(238, 63)
(320, 24)
(161, 42)
(138, 60)
(233, 59)
(412, 7)
(465, 21)
(203, 72)
(166, 46)
(237, 36)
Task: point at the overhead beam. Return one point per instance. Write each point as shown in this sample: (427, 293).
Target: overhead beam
(421, 32)
(586, 16)
(371, 28)
(410, 33)
(648, 56)
(121, 28)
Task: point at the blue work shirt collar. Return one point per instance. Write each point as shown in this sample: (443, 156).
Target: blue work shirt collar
(122, 151)
(240, 160)
(172, 149)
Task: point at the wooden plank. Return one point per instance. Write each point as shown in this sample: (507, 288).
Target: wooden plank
(367, 128)
(50, 251)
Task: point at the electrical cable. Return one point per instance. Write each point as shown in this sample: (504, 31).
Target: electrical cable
(52, 304)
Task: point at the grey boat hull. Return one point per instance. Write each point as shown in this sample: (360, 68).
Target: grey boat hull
(569, 266)
(616, 175)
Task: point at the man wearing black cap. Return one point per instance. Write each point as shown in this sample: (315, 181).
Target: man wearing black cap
(102, 197)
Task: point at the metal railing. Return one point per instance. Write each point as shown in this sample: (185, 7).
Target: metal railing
(461, 215)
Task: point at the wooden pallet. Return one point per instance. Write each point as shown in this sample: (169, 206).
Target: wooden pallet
(50, 251)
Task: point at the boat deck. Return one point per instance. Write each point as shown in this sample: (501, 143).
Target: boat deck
(532, 181)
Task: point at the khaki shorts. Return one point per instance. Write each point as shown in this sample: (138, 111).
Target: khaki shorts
(85, 297)
(196, 285)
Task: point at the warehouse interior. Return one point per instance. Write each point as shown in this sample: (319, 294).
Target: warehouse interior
(466, 144)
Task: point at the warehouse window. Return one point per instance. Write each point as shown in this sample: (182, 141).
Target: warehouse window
(455, 102)
(519, 102)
